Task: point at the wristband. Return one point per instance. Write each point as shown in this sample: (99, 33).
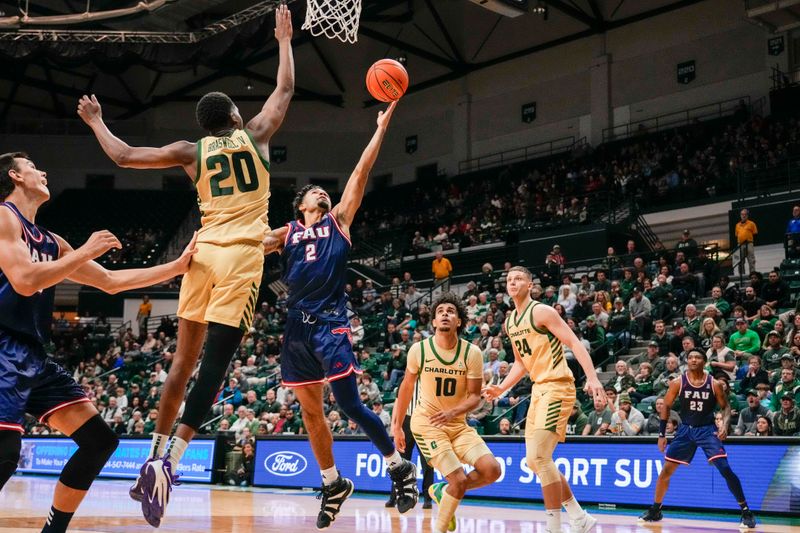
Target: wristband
(662, 429)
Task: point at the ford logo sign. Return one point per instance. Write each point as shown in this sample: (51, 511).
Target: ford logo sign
(285, 463)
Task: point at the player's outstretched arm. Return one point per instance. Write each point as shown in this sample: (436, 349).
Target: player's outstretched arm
(549, 318)
(275, 239)
(515, 373)
(264, 125)
(345, 210)
(114, 281)
(177, 154)
(28, 278)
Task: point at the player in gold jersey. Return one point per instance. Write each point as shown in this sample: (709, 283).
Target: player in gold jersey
(538, 334)
(449, 371)
(218, 295)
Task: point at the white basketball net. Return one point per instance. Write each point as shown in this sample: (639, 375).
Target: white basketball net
(336, 19)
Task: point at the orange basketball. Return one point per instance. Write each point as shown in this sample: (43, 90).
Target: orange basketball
(387, 80)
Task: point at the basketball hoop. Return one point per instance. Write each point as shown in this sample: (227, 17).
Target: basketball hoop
(336, 19)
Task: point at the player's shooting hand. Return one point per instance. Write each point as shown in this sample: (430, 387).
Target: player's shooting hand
(662, 444)
(385, 116)
(492, 392)
(99, 243)
(442, 418)
(399, 438)
(283, 23)
(89, 109)
(182, 263)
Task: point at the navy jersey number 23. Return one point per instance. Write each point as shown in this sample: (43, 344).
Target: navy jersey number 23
(315, 266)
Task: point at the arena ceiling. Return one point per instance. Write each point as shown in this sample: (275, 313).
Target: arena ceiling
(137, 55)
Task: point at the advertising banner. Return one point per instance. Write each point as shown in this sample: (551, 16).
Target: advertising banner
(49, 455)
(609, 471)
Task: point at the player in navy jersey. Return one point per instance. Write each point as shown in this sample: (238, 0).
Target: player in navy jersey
(32, 261)
(317, 346)
(699, 395)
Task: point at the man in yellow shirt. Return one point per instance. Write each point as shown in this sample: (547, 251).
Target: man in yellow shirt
(145, 308)
(441, 269)
(745, 231)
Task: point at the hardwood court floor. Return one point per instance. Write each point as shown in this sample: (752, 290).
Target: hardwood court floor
(25, 501)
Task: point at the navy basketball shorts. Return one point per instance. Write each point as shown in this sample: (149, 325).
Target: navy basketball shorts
(30, 382)
(688, 438)
(314, 351)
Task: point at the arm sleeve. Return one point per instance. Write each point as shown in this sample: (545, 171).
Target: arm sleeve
(474, 363)
(413, 358)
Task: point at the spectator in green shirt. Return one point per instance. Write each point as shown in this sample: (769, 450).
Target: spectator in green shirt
(599, 419)
(774, 351)
(744, 342)
(787, 385)
(764, 322)
(719, 302)
(577, 421)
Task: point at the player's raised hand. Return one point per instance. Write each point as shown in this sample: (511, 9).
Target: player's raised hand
(182, 263)
(385, 116)
(89, 109)
(492, 392)
(283, 23)
(99, 243)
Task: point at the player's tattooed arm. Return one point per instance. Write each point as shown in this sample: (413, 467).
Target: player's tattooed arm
(114, 281)
(178, 154)
(275, 240)
(264, 125)
(345, 210)
(26, 277)
(725, 408)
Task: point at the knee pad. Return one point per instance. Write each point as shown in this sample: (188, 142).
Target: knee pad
(10, 445)
(539, 456)
(96, 442)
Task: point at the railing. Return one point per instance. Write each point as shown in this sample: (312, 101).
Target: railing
(672, 120)
(784, 79)
(543, 149)
(758, 182)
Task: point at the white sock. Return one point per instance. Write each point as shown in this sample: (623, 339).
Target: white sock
(573, 508)
(329, 475)
(176, 449)
(158, 445)
(394, 460)
(553, 520)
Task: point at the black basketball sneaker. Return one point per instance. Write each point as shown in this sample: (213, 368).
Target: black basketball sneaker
(332, 496)
(404, 485)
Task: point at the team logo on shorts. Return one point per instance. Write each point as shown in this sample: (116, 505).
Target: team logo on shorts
(285, 463)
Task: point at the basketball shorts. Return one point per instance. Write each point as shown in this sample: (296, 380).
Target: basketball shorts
(447, 447)
(222, 284)
(315, 350)
(550, 408)
(31, 382)
(688, 438)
